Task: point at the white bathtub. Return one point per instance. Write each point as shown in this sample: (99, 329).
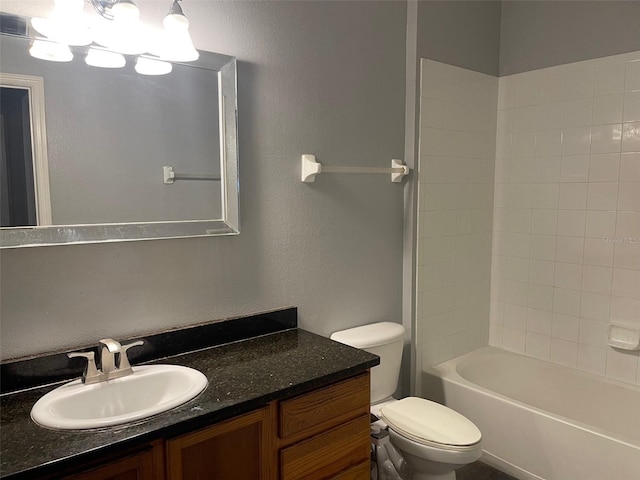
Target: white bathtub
(540, 420)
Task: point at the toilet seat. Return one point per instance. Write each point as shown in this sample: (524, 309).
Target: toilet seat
(431, 424)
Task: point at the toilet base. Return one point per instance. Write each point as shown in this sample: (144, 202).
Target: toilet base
(425, 470)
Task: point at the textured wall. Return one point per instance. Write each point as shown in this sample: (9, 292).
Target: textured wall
(538, 34)
(314, 77)
(461, 33)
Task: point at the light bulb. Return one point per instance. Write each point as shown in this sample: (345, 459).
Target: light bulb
(51, 51)
(150, 66)
(66, 24)
(176, 44)
(104, 59)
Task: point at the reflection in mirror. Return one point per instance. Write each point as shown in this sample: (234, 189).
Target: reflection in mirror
(121, 155)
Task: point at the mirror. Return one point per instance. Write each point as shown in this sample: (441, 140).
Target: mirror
(110, 154)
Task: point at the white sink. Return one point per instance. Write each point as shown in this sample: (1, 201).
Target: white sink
(150, 390)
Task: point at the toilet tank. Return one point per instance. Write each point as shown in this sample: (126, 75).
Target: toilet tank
(384, 339)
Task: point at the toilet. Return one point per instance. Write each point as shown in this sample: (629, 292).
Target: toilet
(433, 439)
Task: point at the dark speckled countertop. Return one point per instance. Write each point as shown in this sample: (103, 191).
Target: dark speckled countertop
(242, 376)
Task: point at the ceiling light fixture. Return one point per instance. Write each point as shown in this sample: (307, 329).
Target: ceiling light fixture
(117, 28)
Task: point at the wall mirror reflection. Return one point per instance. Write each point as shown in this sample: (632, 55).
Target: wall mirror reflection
(128, 152)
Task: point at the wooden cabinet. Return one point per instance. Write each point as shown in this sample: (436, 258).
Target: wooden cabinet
(319, 435)
(325, 433)
(240, 449)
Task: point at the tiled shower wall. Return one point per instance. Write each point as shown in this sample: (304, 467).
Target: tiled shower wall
(566, 227)
(456, 180)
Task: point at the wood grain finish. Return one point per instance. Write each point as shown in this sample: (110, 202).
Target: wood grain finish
(135, 467)
(324, 408)
(237, 449)
(328, 454)
(361, 471)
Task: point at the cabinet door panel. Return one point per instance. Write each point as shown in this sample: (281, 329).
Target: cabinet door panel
(136, 467)
(238, 449)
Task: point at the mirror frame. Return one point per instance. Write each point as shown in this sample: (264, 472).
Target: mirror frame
(228, 224)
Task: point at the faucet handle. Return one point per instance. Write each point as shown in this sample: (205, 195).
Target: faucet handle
(90, 369)
(124, 360)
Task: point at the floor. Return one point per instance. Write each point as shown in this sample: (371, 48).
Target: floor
(481, 471)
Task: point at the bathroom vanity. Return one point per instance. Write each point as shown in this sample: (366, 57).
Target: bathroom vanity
(283, 405)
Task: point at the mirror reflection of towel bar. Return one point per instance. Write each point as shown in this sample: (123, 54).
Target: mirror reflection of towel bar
(311, 168)
(170, 176)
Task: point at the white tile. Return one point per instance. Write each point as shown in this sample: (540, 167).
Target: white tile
(547, 169)
(595, 306)
(571, 223)
(632, 77)
(495, 335)
(576, 141)
(568, 275)
(566, 301)
(596, 279)
(523, 145)
(544, 222)
(604, 167)
(503, 122)
(578, 113)
(545, 195)
(439, 142)
(629, 197)
(626, 255)
(431, 113)
(597, 251)
(551, 116)
(565, 327)
(631, 137)
(569, 249)
(518, 244)
(520, 195)
(621, 366)
(600, 224)
(628, 228)
(526, 89)
(575, 168)
(609, 77)
(625, 310)
(540, 297)
(572, 196)
(551, 87)
(518, 269)
(522, 170)
(538, 346)
(608, 109)
(580, 81)
(606, 138)
(563, 352)
(429, 354)
(592, 359)
(541, 272)
(626, 283)
(513, 339)
(631, 107)
(602, 196)
(630, 167)
(539, 321)
(548, 143)
(506, 92)
(593, 333)
(543, 247)
(523, 119)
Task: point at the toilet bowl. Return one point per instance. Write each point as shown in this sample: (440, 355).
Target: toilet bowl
(433, 439)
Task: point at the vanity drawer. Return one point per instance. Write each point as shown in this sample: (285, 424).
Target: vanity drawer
(328, 455)
(322, 409)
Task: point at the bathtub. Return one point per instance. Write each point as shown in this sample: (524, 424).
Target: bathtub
(540, 420)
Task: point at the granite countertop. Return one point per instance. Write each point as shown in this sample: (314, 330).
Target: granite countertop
(242, 376)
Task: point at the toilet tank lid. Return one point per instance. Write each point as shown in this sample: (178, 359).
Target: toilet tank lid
(371, 335)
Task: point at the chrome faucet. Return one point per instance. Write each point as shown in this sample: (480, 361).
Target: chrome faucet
(113, 361)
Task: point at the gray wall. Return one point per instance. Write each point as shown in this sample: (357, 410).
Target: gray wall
(461, 33)
(314, 77)
(538, 34)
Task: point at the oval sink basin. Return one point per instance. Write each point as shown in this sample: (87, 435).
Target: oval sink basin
(150, 390)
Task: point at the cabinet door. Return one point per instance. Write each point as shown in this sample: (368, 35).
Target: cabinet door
(242, 448)
(135, 467)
